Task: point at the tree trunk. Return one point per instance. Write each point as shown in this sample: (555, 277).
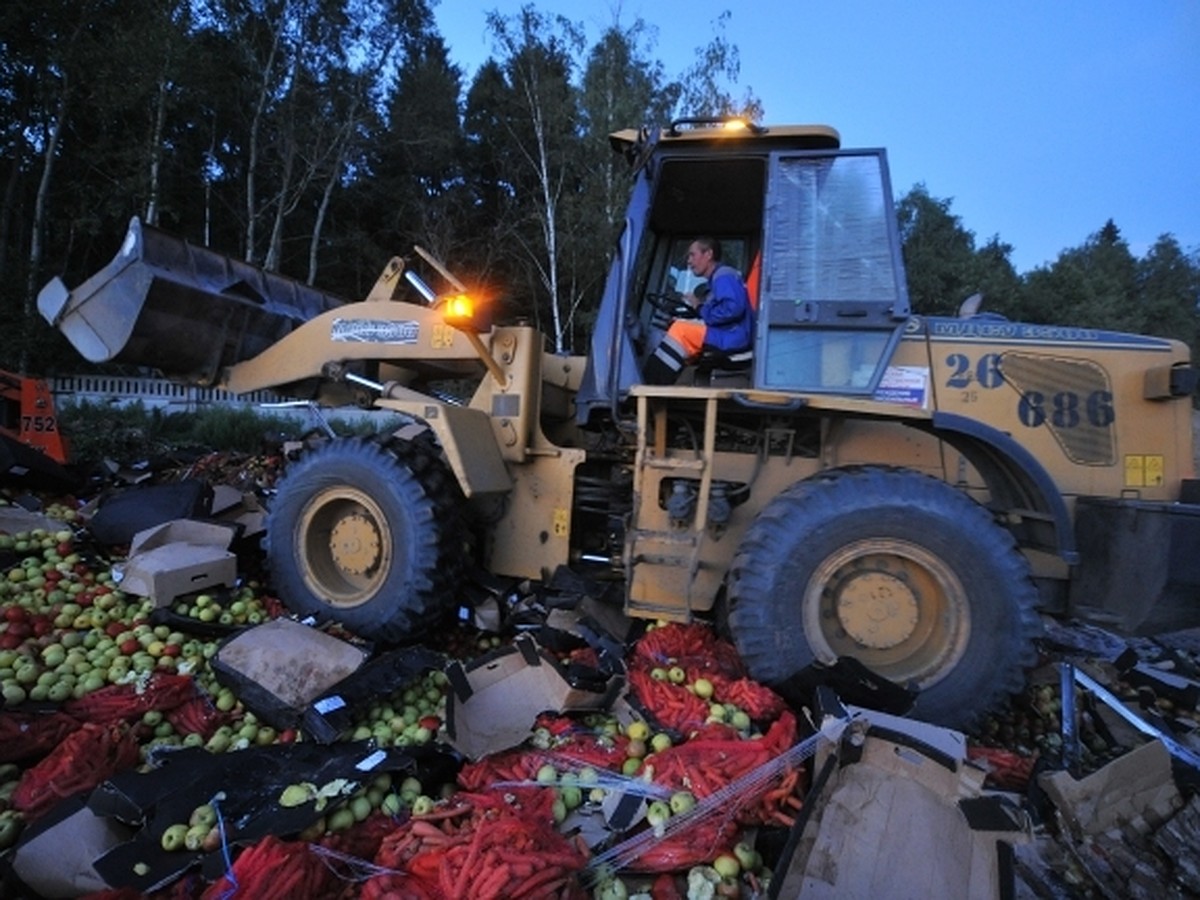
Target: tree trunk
(155, 150)
(256, 124)
(39, 220)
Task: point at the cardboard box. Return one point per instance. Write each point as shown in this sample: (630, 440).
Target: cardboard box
(1139, 784)
(14, 519)
(280, 667)
(331, 714)
(56, 855)
(240, 508)
(178, 557)
(495, 700)
(890, 801)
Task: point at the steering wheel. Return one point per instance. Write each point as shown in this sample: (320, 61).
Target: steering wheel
(669, 306)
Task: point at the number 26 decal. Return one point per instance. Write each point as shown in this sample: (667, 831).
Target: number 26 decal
(985, 373)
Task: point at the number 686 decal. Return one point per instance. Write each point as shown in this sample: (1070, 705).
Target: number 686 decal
(1038, 406)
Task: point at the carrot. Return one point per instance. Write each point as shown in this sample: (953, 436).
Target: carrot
(468, 867)
(427, 864)
(423, 828)
(522, 869)
(494, 884)
(439, 815)
(549, 890)
(539, 881)
(785, 787)
(784, 819)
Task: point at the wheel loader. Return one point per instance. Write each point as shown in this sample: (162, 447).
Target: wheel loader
(906, 490)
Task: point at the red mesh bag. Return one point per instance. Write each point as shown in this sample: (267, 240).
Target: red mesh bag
(398, 886)
(672, 705)
(197, 716)
(759, 702)
(26, 735)
(274, 869)
(716, 756)
(127, 701)
(696, 845)
(510, 765)
(363, 839)
(695, 647)
(83, 760)
(512, 852)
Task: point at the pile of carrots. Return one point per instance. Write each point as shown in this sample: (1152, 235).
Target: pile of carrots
(485, 846)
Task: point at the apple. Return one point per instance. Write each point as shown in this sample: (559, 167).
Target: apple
(637, 730)
(748, 858)
(173, 838)
(657, 813)
(572, 796)
(727, 865)
(682, 801)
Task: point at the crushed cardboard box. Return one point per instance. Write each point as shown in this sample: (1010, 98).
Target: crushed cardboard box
(495, 700)
(332, 713)
(895, 792)
(1138, 784)
(15, 519)
(278, 668)
(241, 508)
(56, 856)
(176, 558)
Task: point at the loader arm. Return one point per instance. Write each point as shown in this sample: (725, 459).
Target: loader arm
(411, 336)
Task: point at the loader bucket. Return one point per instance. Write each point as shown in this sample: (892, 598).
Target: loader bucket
(184, 310)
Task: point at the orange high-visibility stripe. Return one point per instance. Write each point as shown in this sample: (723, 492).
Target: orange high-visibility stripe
(689, 334)
(753, 279)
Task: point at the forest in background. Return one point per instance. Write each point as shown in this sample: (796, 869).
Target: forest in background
(319, 138)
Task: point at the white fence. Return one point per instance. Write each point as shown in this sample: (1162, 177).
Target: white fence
(158, 393)
(152, 392)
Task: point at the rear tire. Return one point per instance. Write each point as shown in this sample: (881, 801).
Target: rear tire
(896, 569)
(366, 532)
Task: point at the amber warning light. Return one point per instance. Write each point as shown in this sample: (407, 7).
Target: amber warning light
(458, 310)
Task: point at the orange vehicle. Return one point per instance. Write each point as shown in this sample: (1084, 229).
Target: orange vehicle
(30, 439)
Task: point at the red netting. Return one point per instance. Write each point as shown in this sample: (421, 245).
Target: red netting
(29, 735)
(83, 760)
(127, 701)
(274, 869)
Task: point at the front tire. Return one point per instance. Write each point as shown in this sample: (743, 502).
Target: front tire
(896, 569)
(365, 532)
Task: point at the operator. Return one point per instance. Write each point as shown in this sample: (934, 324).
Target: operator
(726, 317)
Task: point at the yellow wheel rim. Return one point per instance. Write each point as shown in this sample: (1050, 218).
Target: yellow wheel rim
(891, 604)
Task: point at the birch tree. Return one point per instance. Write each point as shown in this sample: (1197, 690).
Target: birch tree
(537, 55)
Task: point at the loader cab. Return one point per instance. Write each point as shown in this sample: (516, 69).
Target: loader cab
(831, 297)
